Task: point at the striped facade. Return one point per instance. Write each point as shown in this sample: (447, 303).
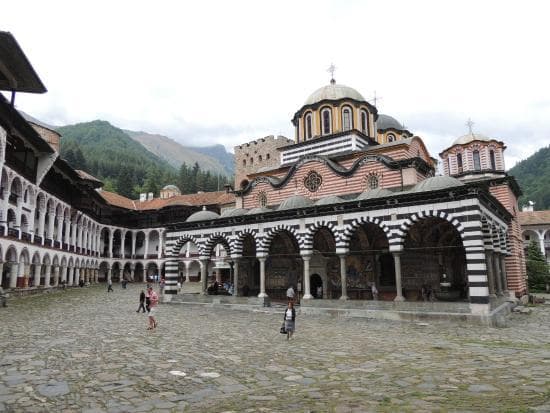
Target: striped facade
(467, 216)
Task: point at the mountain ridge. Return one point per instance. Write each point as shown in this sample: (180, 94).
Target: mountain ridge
(533, 176)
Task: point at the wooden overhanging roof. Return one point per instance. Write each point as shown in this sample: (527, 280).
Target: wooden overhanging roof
(16, 72)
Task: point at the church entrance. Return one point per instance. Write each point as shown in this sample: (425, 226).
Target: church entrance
(316, 285)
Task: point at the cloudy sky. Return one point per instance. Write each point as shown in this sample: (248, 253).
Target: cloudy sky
(227, 72)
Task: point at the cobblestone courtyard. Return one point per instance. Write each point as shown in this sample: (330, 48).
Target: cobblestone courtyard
(86, 350)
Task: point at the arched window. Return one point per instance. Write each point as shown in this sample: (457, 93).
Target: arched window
(492, 159)
(308, 126)
(347, 121)
(459, 162)
(251, 161)
(260, 158)
(364, 122)
(244, 162)
(326, 121)
(391, 137)
(477, 161)
(268, 156)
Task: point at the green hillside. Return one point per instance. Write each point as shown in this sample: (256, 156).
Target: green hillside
(127, 167)
(112, 156)
(533, 176)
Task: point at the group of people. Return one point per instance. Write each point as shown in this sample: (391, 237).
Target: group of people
(148, 302)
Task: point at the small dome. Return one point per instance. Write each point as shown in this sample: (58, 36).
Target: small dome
(203, 215)
(328, 200)
(233, 212)
(261, 210)
(470, 137)
(435, 183)
(388, 122)
(171, 188)
(334, 91)
(296, 201)
(374, 193)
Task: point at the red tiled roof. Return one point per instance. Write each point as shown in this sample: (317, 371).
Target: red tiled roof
(534, 217)
(204, 198)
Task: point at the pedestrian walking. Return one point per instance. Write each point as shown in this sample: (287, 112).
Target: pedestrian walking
(141, 302)
(162, 283)
(290, 320)
(153, 297)
(374, 291)
(290, 294)
(110, 285)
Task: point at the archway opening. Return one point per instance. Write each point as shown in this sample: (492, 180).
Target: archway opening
(434, 262)
(369, 263)
(283, 267)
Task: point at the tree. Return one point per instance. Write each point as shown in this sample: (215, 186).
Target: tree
(538, 273)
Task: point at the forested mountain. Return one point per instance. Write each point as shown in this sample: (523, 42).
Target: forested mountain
(212, 158)
(124, 165)
(533, 176)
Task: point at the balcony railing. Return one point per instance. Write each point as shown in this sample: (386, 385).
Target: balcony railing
(25, 236)
(38, 239)
(12, 232)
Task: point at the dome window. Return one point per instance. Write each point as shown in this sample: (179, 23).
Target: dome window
(477, 160)
(347, 122)
(459, 162)
(391, 137)
(308, 126)
(364, 122)
(492, 159)
(326, 121)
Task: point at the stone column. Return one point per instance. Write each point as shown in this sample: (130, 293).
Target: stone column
(541, 242)
(21, 270)
(132, 271)
(307, 283)
(41, 222)
(133, 245)
(70, 276)
(51, 221)
(204, 276)
(64, 274)
(111, 236)
(398, 288)
(14, 270)
(187, 264)
(60, 230)
(146, 251)
(37, 271)
(121, 274)
(497, 274)
(109, 274)
(490, 274)
(235, 277)
(47, 275)
(262, 277)
(1, 272)
(67, 239)
(161, 243)
(343, 277)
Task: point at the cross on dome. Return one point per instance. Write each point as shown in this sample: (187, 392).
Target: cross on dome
(469, 124)
(331, 69)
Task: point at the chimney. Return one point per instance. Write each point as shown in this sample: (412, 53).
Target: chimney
(530, 207)
(149, 196)
(142, 197)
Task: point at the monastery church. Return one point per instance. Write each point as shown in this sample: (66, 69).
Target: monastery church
(351, 205)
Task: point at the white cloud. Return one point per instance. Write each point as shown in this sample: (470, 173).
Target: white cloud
(227, 72)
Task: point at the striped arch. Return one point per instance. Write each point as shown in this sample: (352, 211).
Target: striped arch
(174, 252)
(237, 240)
(312, 230)
(352, 227)
(213, 240)
(265, 242)
(413, 219)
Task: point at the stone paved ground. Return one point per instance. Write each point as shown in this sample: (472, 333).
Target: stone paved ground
(86, 350)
